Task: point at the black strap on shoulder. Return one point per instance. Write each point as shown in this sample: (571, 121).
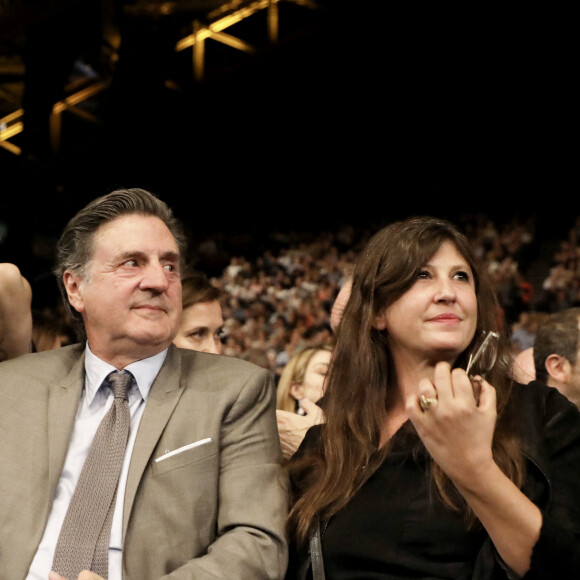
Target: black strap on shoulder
(316, 552)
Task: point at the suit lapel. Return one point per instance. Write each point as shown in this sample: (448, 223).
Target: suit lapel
(62, 407)
(163, 397)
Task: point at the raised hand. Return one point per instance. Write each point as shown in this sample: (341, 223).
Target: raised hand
(292, 427)
(457, 429)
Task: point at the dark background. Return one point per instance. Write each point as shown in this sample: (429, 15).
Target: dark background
(360, 114)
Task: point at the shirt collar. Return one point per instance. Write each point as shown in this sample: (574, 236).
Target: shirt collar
(144, 371)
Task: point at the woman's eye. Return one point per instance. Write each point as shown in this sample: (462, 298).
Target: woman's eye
(424, 274)
(462, 275)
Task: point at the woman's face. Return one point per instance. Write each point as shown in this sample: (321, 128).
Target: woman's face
(316, 370)
(201, 327)
(436, 318)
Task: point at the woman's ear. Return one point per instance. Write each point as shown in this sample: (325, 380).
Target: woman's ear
(380, 321)
(296, 391)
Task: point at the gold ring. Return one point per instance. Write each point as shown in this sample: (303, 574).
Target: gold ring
(427, 402)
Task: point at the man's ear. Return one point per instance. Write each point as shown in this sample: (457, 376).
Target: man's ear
(72, 286)
(558, 367)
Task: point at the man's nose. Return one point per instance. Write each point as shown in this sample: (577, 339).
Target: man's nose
(155, 276)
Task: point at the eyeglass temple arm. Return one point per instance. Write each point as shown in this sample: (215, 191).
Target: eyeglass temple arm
(474, 358)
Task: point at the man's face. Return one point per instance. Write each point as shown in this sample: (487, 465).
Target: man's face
(130, 299)
(564, 376)
(571, 386)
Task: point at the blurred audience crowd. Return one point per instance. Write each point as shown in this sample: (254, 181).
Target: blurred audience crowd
(277, 295)
(561, 287)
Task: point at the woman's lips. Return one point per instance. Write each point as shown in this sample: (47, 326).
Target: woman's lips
(445, 318)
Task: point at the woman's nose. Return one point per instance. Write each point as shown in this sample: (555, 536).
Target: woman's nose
(212, 345)
(444, 292)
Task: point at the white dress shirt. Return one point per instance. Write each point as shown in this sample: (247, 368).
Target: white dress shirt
(93, 406)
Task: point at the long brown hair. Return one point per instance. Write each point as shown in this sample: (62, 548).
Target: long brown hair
(362, 370)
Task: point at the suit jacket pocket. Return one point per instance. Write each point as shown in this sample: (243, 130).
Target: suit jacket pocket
(186, 457)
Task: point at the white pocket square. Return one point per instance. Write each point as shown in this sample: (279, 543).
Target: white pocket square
(184, 448)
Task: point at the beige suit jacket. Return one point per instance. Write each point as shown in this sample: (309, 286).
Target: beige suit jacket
(214, 511)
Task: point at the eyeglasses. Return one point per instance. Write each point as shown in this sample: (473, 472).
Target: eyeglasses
(484, 355)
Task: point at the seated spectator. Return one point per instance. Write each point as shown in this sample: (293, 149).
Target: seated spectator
(202, 322)
(556, 349)
(299, 388)
(50, 330)
(292, 426)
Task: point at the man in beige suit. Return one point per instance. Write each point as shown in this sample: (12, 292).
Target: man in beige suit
(201, 493)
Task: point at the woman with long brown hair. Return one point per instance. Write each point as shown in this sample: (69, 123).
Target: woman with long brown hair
(432, 462)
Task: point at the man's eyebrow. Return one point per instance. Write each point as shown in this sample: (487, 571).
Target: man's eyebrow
(174, 256)
(127, 254)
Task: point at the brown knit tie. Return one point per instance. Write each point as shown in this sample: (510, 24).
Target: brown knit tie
(83, 543)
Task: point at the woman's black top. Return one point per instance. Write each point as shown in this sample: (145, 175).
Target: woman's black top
(396, 526)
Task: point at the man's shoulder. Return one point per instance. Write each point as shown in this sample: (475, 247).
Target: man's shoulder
(540, 394)
(48, 363)
(216, 361)
(217, 367)
(542, 411)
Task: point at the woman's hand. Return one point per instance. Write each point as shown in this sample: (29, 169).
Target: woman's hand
(292, 427)
(458, 428)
